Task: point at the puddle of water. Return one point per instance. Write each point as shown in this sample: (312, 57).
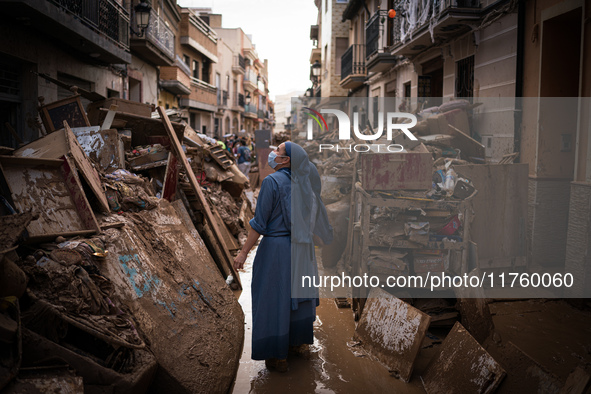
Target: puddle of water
(333, 367)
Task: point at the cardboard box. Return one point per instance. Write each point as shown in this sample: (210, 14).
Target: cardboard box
(410, 170)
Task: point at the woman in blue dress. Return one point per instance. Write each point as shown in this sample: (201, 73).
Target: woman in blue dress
(289, 215)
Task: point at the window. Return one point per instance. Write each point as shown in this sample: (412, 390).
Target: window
(195, 69)
(407, 90)
(341, 47)
(187, 60)
(205, 70)
(465, 77)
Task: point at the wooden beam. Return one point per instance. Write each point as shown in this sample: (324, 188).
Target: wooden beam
(180, 154)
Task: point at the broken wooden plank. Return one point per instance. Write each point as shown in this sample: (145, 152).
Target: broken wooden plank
(143, 167)
(467, 145)
(170, 178)
(462, 366)
(228, 237)
(109, 118)
(84, 165)
(180, 154)
(393, 331)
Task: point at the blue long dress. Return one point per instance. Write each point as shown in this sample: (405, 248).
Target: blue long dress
(278, 322)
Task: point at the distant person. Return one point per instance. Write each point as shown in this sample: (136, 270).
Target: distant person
(219, 142)
(244, 154)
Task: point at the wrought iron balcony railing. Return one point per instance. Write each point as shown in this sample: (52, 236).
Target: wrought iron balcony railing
(374, 33)
(104, 16)
(160, 34)
(353, 61)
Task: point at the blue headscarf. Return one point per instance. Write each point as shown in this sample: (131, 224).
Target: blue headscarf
(306, 183)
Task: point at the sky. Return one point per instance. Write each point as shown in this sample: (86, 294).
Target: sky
(280, 31)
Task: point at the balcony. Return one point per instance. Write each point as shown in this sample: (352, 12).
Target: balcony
(203, 96)
(175, 80)
(378, 57)
(238, 102)
(353, 71)
(261, 114)
(98, 29)
(250, 111)
(157, 45)
(453, 18)
(238, 64)
(250, 80)
(196, 34)
(251, 53)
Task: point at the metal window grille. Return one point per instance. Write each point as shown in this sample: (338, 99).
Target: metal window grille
(465, 77)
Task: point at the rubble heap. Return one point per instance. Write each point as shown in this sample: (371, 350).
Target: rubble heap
(118, 243)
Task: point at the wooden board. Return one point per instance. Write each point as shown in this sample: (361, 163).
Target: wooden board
(462, 366)
(171, 178)
(392, 331)
(500, 207)
(468, 146)
(86, 168)
(228, 237)
(51, 189)
(180, 154)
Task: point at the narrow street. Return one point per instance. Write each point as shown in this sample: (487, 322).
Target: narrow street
(333, 367)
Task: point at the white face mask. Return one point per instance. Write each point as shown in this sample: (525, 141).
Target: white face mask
(271, 159)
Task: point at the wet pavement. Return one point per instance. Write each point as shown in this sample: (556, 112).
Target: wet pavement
(333, 367)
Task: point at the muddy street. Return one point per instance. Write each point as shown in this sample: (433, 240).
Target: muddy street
(333, 368)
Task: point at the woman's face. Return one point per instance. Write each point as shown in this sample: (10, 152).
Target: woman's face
(282, 157)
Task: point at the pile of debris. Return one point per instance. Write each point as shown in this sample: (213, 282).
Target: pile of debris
(118, 239)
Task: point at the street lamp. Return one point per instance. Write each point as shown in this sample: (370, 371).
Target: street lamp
(247, 99)
(142, 17)
(316, 70)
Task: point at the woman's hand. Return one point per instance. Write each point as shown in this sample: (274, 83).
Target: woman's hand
(318, 241)
(239, 260)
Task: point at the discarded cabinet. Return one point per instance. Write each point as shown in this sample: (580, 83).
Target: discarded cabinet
(52, 189)
(61, 143)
